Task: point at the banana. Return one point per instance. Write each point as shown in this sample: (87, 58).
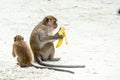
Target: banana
(63, 33)
(59, 43)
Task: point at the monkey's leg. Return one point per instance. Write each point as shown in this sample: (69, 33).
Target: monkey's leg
(52, 53)
(19, 62)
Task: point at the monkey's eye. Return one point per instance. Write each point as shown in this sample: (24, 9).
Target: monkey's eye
(54, 22)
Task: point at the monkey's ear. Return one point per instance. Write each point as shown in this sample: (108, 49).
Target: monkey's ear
(45, 20)
(22, 38)
(14, 38)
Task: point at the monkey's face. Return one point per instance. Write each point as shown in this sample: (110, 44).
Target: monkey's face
(18, 38)
(50, 22)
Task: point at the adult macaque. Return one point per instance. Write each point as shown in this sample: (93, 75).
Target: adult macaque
(41, 42)
(24, 55)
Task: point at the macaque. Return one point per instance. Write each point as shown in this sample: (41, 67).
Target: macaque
(41, 42)
(24, 55)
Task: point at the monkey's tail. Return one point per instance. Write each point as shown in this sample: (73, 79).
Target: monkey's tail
(61, 66)
(62, 70)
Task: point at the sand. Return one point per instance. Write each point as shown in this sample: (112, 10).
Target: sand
(93, 32)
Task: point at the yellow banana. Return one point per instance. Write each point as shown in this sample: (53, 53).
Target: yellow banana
(63, 33)
(59, 43)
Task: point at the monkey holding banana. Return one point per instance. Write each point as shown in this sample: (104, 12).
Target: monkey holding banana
(41, 42)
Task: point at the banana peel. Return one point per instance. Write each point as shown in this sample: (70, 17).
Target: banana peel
(63, 33)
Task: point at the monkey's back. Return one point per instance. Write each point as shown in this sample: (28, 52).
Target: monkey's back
(35, 42)
(23, 52)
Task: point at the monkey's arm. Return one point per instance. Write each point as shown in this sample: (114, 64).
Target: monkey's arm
(43, 37)
(54, 37)
(13, 53)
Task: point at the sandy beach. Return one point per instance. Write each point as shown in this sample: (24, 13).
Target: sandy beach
(93, 33)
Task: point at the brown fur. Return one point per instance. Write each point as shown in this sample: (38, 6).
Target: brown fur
(24, 55)
(41, 42)
(21, 50)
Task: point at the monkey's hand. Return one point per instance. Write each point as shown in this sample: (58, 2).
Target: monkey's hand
(63, 33)
(60, 36)
(13, 53)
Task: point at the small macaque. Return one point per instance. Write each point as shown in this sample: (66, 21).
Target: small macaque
(24, 55)
(41, 42)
